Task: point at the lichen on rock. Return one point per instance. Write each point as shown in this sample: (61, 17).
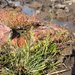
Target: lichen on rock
(14, 19)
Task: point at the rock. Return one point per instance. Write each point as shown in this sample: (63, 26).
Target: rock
(60, 6)
(70, 3)
(24, 2)
(35, 5)
(15, 3)
(67, 9)
(14, 19)
(19, 41)
(61, 15)
(28, 10)
(52, 30)
(3, 3)
(5, 34)
(38, 11)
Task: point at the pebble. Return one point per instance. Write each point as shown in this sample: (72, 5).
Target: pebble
(28, 10)
(66, 9)
(60, 6)
(70, 3)
(35, 5)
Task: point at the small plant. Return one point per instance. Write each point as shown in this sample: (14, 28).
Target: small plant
(33, 59)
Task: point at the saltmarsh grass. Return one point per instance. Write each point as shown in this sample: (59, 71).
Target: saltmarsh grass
(33, 59)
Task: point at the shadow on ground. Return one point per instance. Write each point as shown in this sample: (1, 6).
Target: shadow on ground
(73, 69)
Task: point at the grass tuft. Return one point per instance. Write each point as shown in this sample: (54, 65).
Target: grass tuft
(34, 59)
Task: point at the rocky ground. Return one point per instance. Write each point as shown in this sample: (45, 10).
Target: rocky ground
(61, 12)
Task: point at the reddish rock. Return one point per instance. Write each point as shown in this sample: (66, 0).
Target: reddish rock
(5, 33)
(15, 19)
(20, 42)
(55, 32)
(14, 41)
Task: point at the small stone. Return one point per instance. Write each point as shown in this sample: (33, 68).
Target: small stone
(74, 33)
(20, 42)
(61, 15)
(60, 6)
(70, 3)
(36, 5)
(66, 9)
(38, 11)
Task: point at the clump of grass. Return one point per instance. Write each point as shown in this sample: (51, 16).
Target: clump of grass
(29, 60)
